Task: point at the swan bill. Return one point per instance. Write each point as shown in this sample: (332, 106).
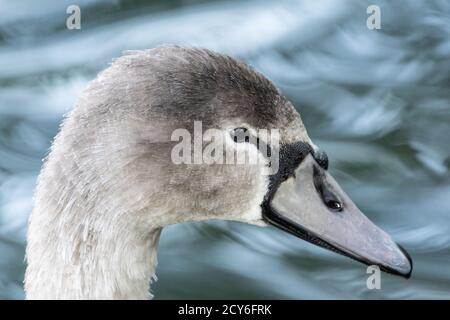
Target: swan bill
(311, 205)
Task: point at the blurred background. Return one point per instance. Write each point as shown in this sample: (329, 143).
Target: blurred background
(378, 101)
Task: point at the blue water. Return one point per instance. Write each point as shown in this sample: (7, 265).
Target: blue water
(378, 101)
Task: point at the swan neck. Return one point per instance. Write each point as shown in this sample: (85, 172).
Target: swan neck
(88, 260)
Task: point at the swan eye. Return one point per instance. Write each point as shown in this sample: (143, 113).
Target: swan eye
(240, 135)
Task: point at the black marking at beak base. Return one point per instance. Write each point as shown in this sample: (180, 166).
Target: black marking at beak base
(291, 156)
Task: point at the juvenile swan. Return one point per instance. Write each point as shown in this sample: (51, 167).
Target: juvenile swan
(109, 185)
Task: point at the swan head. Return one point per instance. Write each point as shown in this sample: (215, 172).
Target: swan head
(143, 136)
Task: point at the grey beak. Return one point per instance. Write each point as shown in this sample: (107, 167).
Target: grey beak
(311, 205)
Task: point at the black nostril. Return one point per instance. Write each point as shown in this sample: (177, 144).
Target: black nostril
(334, 205)
(328, 197)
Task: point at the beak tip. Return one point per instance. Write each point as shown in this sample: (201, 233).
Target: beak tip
(406, 275)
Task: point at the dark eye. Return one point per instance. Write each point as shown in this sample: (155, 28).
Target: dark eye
(240, 135)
